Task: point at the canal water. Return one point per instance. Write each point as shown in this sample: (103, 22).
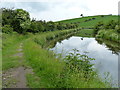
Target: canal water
(105, 54)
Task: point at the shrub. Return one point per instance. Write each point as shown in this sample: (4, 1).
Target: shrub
(7, 29)
(97, 27)
(80, 62)
(117, 28)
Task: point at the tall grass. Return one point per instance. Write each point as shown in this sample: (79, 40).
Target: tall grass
(0, 60)
(51, 72)
(109, 35)
(10, 44)
(85, 33)
(44, 38)
(44, 64)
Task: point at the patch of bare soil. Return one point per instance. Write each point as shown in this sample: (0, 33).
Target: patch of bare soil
(16, 77)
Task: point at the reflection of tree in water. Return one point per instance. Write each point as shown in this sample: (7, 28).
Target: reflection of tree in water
(59, 39)
(112, 46)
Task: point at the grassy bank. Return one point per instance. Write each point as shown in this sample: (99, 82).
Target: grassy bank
(44, 38)
(10, 44)
(45, 65)
(0, 60)
(85, 33)
(111, 35)
(50, 72)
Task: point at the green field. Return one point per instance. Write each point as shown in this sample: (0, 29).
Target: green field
(92, 23)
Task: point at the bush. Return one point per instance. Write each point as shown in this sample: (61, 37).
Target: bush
(97, 27)
(7, 29)
(110, 25)
(80, 62)
(117, 28)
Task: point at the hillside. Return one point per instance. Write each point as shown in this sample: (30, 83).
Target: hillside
(91, 21)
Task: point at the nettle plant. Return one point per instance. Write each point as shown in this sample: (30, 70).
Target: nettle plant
(80, 62)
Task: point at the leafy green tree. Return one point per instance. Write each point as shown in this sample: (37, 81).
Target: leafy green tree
(51, 26)
(36, 27)
(21, 21)
(59, 26)
(7, 29)
(40, 27)
(8, 16)
(33, 27)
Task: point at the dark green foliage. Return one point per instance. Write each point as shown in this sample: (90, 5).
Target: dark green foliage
(7, 29)
(118, 30)
(51, 26)
(102, 15)
(23, 18)
(77, 61)
(8, 16)
(36, 27)
(117, 27)
(97, 27)
(110, 25)
(108, 31)
(19, 20)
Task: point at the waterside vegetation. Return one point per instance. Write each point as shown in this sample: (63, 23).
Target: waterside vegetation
(74, 71)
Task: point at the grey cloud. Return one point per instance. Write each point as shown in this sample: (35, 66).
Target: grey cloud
(34, 6)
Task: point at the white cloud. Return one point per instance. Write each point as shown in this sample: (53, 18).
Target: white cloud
(64, 9)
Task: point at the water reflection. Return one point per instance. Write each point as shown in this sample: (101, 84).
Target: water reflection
(113, 46)
(105, 53)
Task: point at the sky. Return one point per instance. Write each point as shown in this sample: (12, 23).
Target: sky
(55, 10)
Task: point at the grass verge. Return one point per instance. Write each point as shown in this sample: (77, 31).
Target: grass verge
(51, 72)
(85, 33)
(109, 34)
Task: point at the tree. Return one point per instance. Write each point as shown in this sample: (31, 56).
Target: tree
(23, 19)
(7, 29)
(8, 16)
(40, 27)
(81, 15)
(33, 27)
(51, 26)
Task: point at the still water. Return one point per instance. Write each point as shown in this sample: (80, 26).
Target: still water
(106, 56)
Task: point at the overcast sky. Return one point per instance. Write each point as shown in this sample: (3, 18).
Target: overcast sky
(56, 10)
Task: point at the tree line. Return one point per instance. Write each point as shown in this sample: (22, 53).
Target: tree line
(18, 20)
